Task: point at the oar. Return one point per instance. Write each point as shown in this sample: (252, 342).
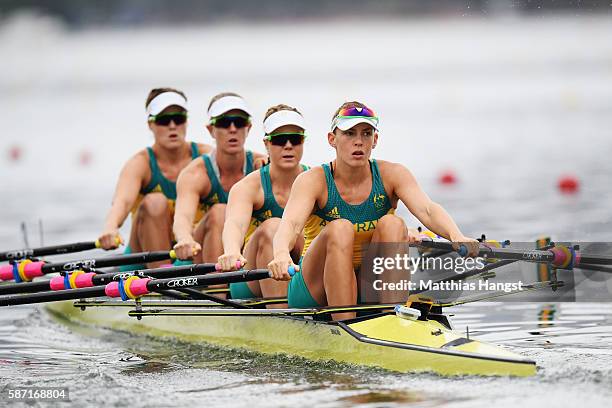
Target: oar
(80, 279)
(561, 257)
(133, 287)
(48, 250)
(27, 270)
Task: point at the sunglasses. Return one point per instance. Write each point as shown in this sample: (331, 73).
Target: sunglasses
(164, 119)
(356, 112)
(225, 121)
(280, 139)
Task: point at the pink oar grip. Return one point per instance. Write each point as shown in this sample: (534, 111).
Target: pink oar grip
(112, 289)
(33, 269)
(57, 283)
(138, 287)
(6, 272)
(84, 280)
(560, 256)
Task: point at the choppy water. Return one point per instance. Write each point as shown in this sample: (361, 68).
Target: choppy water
(510, 104)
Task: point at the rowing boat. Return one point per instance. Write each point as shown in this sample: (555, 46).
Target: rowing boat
(416, 337)
(382, 339)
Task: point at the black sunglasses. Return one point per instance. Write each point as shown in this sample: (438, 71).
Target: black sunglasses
(280, 139)
(164, 119)
(225, 121)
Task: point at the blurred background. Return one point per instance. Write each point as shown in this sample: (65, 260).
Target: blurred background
(502, 109)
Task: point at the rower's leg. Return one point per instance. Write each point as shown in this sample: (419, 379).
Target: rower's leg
(327, 267)
(152, 226)
(391, 230)
(208, 234)
(259, 253)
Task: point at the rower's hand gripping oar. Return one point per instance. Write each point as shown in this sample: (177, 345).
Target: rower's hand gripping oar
(27, 270)
(134, 287)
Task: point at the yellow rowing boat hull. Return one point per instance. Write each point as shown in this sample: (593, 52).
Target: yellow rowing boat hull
(387, 341)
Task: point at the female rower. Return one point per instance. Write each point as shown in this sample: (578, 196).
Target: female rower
(344, 205)
(147, 183)
(256, 204)
(203, 186)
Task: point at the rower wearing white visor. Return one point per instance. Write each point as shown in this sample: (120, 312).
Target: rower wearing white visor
(344, 205)
(256, 205)
(147, 183)
(204, 185)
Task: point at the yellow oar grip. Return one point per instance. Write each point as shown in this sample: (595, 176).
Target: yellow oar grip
(117, 241)
(21, 270)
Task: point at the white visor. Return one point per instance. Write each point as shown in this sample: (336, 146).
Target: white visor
(226, 104)
(164, 100)
(283, 118)
(347, 123)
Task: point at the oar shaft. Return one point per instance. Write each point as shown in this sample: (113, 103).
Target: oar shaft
(558, 256)
(45, 297)
(30, 270)
(92, 279)
(205, 280)
(139, 287)
(126, 259)
(49, 250)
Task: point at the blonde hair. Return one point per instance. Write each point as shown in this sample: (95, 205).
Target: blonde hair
(278, 108)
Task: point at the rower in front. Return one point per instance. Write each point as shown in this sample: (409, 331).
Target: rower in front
(203, 185)
(345, 204)
(256, 204)
(147, 183)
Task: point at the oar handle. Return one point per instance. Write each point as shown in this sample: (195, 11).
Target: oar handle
(291, 270)
(463, 250)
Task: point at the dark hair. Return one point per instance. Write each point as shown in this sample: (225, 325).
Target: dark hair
(158, 91)
(221, 95)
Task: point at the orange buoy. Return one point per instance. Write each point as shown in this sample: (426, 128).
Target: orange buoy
(447, 177)
(568, 184)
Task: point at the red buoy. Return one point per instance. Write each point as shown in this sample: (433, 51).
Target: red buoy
(85, 158)
(14, 153)
(447, 177)
(568, 184)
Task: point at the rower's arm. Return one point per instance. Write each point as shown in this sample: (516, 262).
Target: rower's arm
(259, 160)
(238, 212)
(131, 180)
(430, 213)
(303, 198)
(204, 148)
(191, 184)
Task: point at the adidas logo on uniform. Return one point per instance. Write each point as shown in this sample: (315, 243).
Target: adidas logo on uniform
(333, 213)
